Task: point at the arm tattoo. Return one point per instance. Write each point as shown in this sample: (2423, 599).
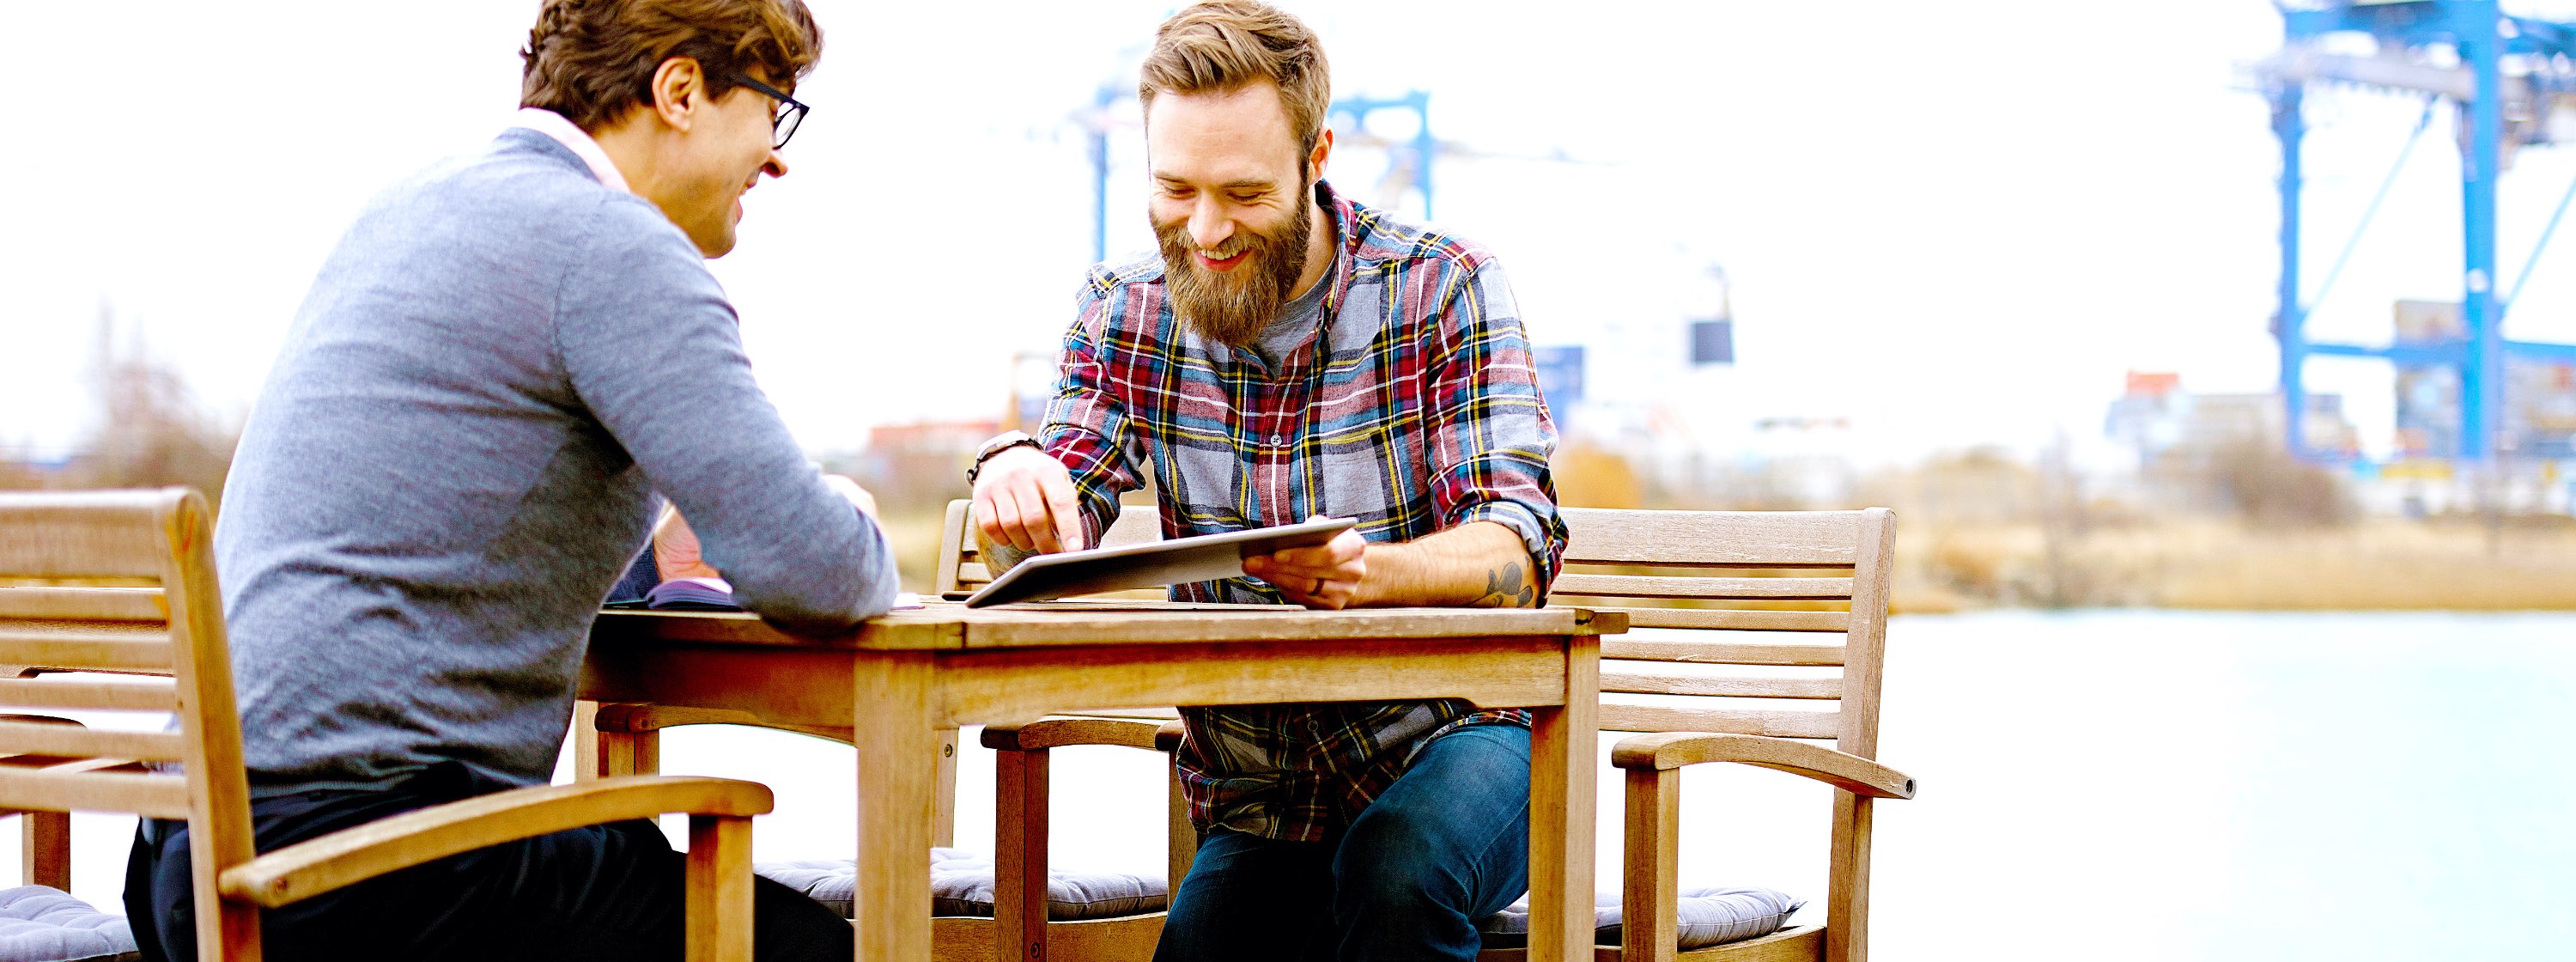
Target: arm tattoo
(1504, 588)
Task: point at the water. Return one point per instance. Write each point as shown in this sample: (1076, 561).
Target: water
(2098, 785)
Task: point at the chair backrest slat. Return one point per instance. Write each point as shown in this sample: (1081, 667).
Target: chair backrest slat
(158, 796)
(1727, 619)
(46, 645)
(1668, 683)
(73, 741)
(1719, 653)
(81, 535)
(1731, 721)
(139, 694)
(1713, 539)
(1643, 586)
(84, 604)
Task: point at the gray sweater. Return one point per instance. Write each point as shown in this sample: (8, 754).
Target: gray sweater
(455, 456)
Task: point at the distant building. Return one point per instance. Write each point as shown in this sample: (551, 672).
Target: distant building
(2156, 418)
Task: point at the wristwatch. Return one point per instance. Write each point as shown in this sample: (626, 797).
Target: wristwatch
(1000, 443)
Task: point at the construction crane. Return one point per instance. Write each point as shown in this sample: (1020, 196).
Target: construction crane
(2512, 83)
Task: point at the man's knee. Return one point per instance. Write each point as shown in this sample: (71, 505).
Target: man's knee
(1449, 837)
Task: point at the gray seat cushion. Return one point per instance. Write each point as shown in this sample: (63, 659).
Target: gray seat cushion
(961, 883)
(39, 924)
(1706, 917)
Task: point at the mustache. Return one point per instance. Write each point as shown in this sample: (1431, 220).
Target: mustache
(1232, 307)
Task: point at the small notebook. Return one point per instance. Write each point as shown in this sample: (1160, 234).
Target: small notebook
(714, 594)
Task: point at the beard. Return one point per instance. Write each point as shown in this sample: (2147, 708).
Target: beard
(1232, 307)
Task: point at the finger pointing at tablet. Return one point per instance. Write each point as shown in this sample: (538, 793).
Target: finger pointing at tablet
(1024, 498)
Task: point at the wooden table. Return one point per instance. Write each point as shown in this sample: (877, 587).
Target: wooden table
(897, 679)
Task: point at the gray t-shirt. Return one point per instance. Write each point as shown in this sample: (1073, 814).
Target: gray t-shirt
(454, 458)
(1295, 326)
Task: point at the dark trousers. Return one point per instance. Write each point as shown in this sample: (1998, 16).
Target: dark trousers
(606, 892)
(1444, 846)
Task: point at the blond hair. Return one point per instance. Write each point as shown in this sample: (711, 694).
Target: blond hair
(1221, 45)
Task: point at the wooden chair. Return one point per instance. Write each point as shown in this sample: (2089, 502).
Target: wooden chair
(625, 740)
(1742, 572)
(160, 542)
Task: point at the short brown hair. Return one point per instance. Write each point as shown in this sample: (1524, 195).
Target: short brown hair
(593, 60)
(1220, 45)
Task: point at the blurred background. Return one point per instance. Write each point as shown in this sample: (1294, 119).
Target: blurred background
(2233, 559)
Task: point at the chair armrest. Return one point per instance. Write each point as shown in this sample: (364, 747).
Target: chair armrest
(1168, 737)
(1060, 732)
(1843, 770)
(352, 855)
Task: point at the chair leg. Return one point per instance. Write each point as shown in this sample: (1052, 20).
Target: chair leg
(1847, 891)
(719, 889)
(1649, 887)
(45, 848)
(943, 817)
(1019, 855)
(629, 753)
(585, 740)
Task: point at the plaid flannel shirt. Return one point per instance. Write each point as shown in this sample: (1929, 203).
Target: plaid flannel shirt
(1414, 409)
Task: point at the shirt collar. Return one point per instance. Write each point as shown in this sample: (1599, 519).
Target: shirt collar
(573, 138)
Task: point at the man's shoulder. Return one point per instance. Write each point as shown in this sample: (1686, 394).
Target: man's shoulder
(1380, 239)
(1108, 277)
(520, 187)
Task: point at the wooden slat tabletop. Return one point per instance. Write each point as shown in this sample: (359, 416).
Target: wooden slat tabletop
(949, 625)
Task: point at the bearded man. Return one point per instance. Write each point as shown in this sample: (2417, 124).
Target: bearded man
(1293, 353)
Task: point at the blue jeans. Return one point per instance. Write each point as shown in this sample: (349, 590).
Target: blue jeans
(1444, 846)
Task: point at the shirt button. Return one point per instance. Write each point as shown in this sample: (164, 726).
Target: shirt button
(1274, 440)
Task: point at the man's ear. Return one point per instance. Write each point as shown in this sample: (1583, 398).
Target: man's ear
(676, 86)
(1323, 153)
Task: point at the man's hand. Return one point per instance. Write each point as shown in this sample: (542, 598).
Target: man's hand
(675, 549)
(859, 497)
(1024, 498)
(1324, 576)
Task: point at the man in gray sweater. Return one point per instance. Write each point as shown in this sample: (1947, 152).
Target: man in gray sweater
(457, 454)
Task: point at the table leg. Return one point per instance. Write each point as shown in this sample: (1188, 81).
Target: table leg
(1563, 743)
(897, 780)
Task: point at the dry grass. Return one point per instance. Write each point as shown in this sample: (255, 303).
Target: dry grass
(2379, 565)
(915, 537)
(2374, 565)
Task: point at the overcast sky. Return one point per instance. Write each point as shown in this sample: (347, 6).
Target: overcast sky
(1951, 224)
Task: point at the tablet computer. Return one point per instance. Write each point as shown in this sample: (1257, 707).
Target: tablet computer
(1205, 557)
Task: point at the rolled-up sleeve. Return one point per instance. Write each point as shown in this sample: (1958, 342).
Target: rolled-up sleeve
(1087, 427)
(1490, 436)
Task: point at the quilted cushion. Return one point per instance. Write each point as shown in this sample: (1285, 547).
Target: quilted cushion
(961, 883)
(39, 924)
(1706, 917)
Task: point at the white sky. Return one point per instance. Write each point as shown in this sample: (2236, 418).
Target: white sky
(1952, 223)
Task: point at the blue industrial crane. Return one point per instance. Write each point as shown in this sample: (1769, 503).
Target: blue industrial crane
(2505, 74)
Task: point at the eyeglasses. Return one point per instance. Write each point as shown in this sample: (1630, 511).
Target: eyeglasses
(782, 125)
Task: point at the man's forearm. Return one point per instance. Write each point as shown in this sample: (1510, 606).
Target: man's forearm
(1479, 564)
